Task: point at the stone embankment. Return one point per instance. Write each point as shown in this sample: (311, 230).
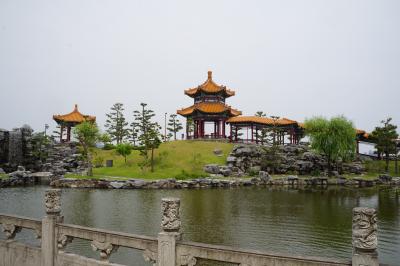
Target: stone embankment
(262, 180)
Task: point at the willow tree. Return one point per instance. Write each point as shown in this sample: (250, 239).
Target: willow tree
(334, 138)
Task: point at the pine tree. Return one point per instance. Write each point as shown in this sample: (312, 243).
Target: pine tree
(116, 124)
(133, 133)
(174, 125)
(189, 126)
(260, 114)
(262, 135)
(148, 132)
(385, 139)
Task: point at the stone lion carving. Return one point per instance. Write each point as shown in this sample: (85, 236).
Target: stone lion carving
(365, 229)
(53, 201)
(170, 221)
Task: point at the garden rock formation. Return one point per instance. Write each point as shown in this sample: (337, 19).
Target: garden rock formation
(288, 159)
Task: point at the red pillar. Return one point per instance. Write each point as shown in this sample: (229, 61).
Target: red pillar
(252, 134)
(236, 133)
(61, 133)
(223, 129)
(219, 128)
(201, 129)
(68, 134)
(358, 147)
(196, 129)
(256, 135)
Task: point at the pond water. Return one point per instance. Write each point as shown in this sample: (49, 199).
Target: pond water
(315, 222)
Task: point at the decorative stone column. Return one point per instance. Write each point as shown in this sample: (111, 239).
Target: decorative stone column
(170, 225)
(52, 202)
(364, 237)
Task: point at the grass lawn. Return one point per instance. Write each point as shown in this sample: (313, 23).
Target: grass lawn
(378, 167)
(175, 159)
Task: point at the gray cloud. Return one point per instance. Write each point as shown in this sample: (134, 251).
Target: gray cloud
(289, 58)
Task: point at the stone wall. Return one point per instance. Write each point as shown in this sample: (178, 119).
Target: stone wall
(292, 159)
(16, 148)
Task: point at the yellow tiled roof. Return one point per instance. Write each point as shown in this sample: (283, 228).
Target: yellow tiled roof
(213, 108)
(209, 86)
(74, 117)
(261, 120)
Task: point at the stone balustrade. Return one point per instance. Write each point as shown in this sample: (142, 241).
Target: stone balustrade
(167, 249)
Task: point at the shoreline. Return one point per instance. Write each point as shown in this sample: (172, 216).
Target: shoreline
(203, 183)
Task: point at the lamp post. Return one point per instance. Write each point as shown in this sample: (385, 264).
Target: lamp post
(396, 157)
(165, 127)
(46, 127)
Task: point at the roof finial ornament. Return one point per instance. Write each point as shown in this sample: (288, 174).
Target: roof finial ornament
(209, 74)
(76, 107)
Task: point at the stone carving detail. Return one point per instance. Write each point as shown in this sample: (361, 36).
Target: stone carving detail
(10, 230)
(105, 249)
(150, 256)
(365, 229)
(187, 260)
(63, 240)
(171, 221)
(38, 233)
(53, 201)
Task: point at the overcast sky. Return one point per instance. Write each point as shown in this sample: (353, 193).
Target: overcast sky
(291, 58)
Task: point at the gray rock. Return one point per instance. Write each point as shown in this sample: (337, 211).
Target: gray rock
(2, 171)
(264, 176)
(218, 152)
(225, 170)
(231, 159)
(117, 184)
(292, 177)
(211, 168)
(385, 178)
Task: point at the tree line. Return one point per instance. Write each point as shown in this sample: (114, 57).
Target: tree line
(142, 134)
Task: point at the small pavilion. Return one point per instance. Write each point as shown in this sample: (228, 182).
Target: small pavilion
(70, 120)
(283, 127)
(209, 107)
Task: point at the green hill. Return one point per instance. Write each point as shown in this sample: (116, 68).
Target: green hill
(174, 159)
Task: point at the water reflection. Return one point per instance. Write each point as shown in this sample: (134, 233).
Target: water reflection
(314, 222)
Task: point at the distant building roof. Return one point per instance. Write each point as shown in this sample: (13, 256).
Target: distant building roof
(209, 86)
(74, 117)
(209, 107)
(262, 120)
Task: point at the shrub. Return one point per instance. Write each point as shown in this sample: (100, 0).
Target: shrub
(124, 149)
(108, 146)
(98, 161)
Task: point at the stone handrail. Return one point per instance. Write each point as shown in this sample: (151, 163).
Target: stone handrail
(189, 252)
(103, 240)
(167, 249)
(13, 224)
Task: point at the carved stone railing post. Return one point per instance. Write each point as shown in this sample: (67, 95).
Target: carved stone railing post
(52, 202)
(170, 225)
(364, 238)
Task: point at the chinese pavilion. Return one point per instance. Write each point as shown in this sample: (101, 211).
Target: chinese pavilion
(209, 106)
(70, 120)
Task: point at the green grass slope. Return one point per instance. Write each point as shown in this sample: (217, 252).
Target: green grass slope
(174, 159)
